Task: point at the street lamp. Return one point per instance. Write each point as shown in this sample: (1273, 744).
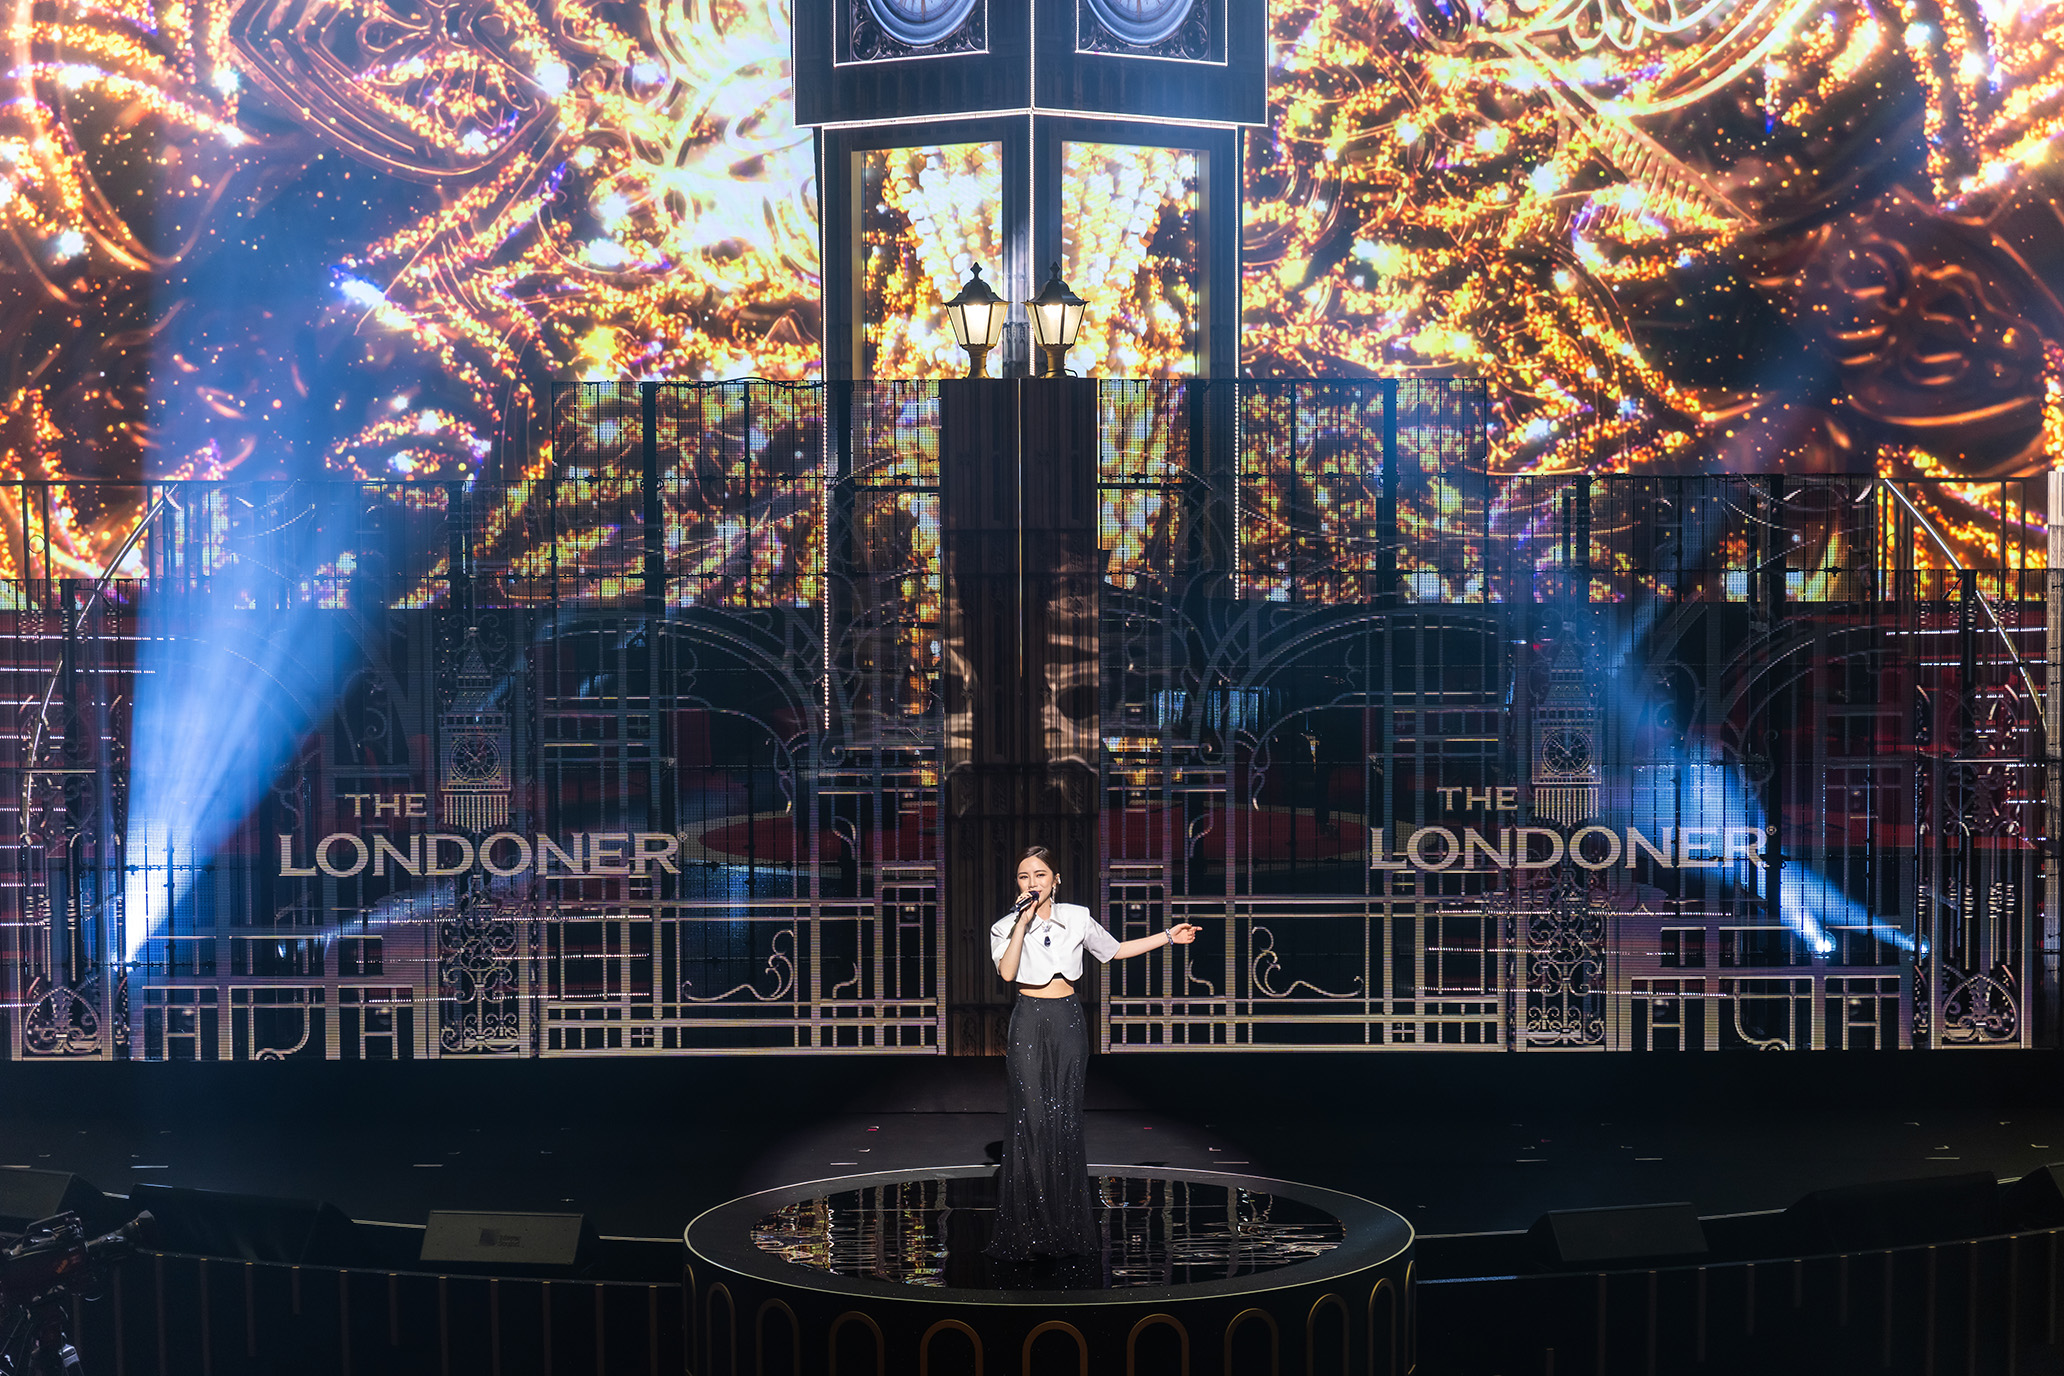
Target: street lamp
(977, 318)
(1056, 317)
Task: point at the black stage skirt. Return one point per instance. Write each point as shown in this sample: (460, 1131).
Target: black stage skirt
(1044, 1206)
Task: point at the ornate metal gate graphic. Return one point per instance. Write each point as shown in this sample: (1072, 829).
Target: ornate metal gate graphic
(644, 755)
(1450, 761)
(698, 659)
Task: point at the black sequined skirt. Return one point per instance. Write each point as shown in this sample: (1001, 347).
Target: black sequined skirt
(1044, 1206)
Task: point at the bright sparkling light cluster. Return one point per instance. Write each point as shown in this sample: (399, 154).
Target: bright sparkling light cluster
(928, 216)
(661, 224)
(1130, 244)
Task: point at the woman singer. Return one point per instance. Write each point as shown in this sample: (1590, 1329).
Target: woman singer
(1044, 1207)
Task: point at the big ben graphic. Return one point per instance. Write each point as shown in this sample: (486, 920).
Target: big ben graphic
(1565, 727)
(473, 749)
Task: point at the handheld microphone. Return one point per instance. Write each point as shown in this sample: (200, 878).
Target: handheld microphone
(1023, 900)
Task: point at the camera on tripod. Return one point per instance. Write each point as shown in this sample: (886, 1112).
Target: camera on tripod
(55, 1260)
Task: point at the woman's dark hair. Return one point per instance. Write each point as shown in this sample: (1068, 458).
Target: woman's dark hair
(1044, 857)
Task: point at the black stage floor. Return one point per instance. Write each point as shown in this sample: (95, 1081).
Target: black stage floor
(1455, 1143)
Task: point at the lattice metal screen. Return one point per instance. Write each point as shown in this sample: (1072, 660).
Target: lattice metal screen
(643, 755)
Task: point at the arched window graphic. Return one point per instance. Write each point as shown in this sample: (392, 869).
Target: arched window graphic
(1057, 1326)
(1157, 1321)
(1237, 1362)
(838, 1327)
(1342, 1332)
(795, 1339)
(924, 1346)
(709, 1333)
(1384, 1332)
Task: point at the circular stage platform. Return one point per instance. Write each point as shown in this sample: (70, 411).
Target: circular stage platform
(1200, 1272)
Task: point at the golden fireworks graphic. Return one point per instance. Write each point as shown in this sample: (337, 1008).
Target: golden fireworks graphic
(1717, 236)
(358, 237)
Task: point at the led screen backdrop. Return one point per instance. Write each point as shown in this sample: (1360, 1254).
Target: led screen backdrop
(345, 237)
(302, 283)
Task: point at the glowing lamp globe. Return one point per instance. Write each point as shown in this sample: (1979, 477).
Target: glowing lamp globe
(1056, 319)
(977, 315)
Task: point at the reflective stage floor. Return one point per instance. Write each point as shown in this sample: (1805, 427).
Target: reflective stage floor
(934, 1231)
(1455, 1143)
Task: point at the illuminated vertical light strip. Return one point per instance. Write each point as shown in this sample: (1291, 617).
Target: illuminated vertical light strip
(1233, 368)
(827, 472)
(1029, 267)
(1033, 268)
(1239, 470)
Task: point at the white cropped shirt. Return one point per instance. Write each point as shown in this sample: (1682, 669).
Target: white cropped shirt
(1053, 945)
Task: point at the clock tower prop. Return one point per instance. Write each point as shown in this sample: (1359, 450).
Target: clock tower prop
(1097, 140)
(1015, 134)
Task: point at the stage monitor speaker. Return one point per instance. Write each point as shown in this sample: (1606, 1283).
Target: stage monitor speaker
(26, 1196)
(246, 1227)
(1897, 1213)
(1605, 1238)
(2036, 1200)
(497, 1240)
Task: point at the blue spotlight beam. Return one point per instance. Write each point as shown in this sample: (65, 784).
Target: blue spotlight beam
(1805, 899)
(226, 694)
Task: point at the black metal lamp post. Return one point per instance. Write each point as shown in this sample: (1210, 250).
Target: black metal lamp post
(1056, 319)
(977, 316)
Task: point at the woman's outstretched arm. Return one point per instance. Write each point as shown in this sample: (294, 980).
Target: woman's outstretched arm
(1182, 933)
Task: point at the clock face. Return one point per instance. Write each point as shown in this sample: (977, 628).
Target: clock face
(921, 23)
(475, 760)
(1142, 23)
(1565, 751)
